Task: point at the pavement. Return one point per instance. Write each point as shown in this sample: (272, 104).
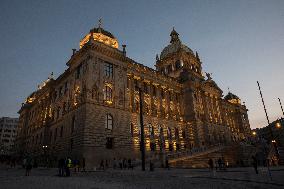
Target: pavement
(161, 178)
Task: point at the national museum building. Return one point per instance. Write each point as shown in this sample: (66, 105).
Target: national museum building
(91, 110)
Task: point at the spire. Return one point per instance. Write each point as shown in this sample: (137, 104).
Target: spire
(100, 25)
(157, 57)
(174, 36)
(197, 56)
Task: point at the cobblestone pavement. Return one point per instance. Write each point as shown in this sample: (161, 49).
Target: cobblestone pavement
(160, 178)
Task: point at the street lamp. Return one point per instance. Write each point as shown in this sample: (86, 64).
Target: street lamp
(44, 147)
(142, 142)
(278, 125)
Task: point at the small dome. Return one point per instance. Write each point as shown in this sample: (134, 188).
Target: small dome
(174, 46)
(230, 97)
(101, 35)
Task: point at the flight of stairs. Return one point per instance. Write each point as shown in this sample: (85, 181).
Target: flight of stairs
(281, 155)
(232, 156)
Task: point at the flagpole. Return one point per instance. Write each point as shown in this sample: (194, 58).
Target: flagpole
(281, 106)
(268, 125)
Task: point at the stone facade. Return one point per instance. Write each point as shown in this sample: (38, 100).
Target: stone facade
(91, 111)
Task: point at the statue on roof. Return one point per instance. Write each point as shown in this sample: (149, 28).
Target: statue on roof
(208, 75)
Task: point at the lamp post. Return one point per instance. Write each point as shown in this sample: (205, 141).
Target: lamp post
(281, 106)
(142, 141)
(44, 147)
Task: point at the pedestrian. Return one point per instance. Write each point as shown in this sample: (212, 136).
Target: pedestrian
(76, 165)
(124, 163)
(83, 164)
(68, 165)
(254, 163)
(114, 163)
(167, 164)
(219, 163)
(130, 164)
(28, 166)
(24, 163)
(102, 165)
(61, 167)
(151, 166)
(120, 164)
(211, 166)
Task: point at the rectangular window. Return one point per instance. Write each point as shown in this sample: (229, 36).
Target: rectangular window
(108, 94)
(65, 87)
(154, 90)
(108, 69)
(145, 88)
(78, 71)
(162, 93)
(136, 84)
(60, 91)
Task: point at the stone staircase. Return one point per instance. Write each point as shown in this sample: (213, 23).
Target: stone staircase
(233, 155)
(198, 157)
(281, 155)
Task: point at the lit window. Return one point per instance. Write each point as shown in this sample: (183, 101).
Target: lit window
(108, 94)
(109, 121)
(108, 69)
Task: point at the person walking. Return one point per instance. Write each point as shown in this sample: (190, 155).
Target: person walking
(254, 163)
(84, 164)
(28, 166)
(68, 163)
(219, 163)
(211, 166)
(167, 164)
(61, 167)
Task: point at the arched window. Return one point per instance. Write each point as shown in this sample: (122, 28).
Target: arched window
(169, 68)
(176, 133)
(131, 129)
(108, 94)
(169, 133)
(161, 132)
(178, 64)
(151, 130)
(109, 121)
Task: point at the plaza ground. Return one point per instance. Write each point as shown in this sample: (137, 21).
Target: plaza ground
(160, 178)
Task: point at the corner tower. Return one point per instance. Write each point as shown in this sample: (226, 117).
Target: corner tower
(177, 57)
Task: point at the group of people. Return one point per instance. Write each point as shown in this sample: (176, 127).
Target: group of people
(28, 164)
(65, 165)
(121, 163)
(219, 164)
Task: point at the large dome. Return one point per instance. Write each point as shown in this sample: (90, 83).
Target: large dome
(174, 46)
(101, 35)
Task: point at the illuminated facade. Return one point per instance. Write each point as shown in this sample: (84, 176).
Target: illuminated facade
(91, 111)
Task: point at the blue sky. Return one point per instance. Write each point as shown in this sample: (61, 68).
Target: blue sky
(239, 42)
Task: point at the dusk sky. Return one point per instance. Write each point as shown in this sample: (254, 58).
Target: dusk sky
(239, 42)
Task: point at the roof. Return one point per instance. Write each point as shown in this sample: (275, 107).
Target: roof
(101, 30)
